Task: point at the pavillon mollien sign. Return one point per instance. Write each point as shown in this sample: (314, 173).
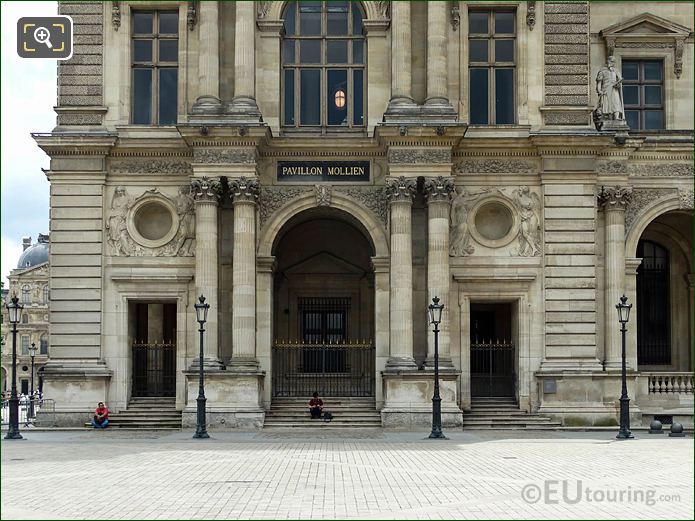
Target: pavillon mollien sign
(313, 171)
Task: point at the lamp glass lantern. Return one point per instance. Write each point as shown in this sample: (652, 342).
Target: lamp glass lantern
(623, 310)
(435, 310)
(33, 349)
(201, 310)
(13, 310)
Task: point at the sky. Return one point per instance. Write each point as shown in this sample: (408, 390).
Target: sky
(28, 96)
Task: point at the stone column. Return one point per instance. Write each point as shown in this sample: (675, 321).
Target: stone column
(206, 193)
(244, 192)
(401, 79)
(438, 193)
(244, 102)
(208, 102)
(613, 200)
(436, 52)
(400, 193)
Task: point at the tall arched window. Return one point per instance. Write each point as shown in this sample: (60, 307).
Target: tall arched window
(26, 294)
(323, 65)
(653, 305)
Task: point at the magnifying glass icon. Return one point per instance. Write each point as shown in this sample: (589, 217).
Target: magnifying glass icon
(42, 35)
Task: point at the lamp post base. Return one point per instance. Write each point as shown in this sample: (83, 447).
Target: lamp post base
(200, 429)
(13, 435)
(437, 435)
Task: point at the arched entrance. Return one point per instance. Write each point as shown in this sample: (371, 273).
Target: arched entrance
(323, 306)
(664, 293)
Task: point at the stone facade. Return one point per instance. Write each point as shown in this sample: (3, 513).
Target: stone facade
(29, 281)
(531, 228)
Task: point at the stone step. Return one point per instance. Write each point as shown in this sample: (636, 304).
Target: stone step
(322, 425)
(508, 421)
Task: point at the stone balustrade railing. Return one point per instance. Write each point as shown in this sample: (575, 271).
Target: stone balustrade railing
(671, 382)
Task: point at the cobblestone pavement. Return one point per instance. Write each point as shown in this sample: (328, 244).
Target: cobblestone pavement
(346, 475)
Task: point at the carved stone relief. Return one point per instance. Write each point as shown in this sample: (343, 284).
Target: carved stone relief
(419, 155)
(494, 166)
(119, 240)
(372, 197)
(660, 169)
(272, 198)
(151, 166)
(206, 190)
(459, 234)
(323, 195)
(224, 155)
(191, 15)
(244, 189)
(640, 199)
(439, 189)
(528, 205)
(400, 189)
(262, 9)
(116, 15)
(686, 198)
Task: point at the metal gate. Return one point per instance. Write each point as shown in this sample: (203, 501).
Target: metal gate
(653, 305)
(492, 369)
(154, 369)
(331, 369)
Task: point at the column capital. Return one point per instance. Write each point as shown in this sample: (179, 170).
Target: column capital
(400, 189)
(245, 190)
(614, 197)
(206, 190)
(438, 189)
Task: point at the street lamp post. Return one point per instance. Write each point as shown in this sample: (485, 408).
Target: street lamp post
(623, 316)
(32, 352)
(14, 308)
(201, 311)
(435, 310)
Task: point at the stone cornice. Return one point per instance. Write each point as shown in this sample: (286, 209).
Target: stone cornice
(224, 135)
(74, 144)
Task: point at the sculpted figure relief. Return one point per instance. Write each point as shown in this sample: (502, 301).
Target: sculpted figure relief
(118, 238)
(528, 203)
(459, 234)
(183, 243)
(609, 86)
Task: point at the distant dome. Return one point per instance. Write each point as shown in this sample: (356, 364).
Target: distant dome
(34, 255)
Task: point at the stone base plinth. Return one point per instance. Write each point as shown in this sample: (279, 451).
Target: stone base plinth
(233, 399)
(408, 399)
(586, 399)
(72, 391)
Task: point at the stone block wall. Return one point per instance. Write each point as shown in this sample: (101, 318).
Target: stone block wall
(80, 79)
(566, 63)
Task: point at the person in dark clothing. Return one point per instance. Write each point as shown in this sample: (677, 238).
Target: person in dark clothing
(315, 406)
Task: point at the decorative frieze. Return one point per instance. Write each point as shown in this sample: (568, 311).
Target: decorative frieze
(244, 190)
(150, 166)
(401, 189)
(439, 189)
(660, 169)
(611, 167)
(614, 197)
(224, 155)
(205, 189)
(374, 198)
(494, 166)
(419, 155)
(272, 198)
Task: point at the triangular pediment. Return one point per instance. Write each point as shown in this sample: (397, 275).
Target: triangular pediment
(646, 24)
(324, 263)
(34, 271)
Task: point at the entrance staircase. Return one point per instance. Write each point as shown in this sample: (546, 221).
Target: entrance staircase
(148, 413)
(503, 413)
(347, 413)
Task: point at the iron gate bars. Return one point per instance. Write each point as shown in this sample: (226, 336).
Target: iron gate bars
(492, 369)
(154, 369)
(331, 369)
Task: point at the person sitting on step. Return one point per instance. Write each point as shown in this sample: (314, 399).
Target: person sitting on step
(101, 416)
(315, 406)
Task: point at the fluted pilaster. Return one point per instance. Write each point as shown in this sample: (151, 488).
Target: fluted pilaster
(401, 77)
(244, 102)
(436, 51)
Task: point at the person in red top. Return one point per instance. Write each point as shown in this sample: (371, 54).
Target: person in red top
(315, 406)
(101, 416)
